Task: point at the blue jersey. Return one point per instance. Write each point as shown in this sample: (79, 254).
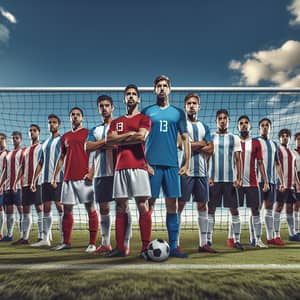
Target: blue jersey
(161, 144)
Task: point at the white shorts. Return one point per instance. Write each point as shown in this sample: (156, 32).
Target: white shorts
(131, 183)
(74, 191)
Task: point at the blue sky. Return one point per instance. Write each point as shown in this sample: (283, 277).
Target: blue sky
(112, 43)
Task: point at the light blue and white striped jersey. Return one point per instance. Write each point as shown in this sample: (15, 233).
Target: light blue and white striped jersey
(49, 154)
(104, 162)
(198, 131)
(222, 163)
(269, 151)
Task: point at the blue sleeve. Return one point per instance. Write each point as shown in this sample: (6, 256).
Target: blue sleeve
(182, 124)
(207, 137)
(91, 137)
(41, 155)
(276, 152)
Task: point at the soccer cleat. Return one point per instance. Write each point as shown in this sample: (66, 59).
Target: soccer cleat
(20, 242)
(238, 246)
(230, 243)
(144, 255)
(102, 249)
(209, 243)
(176, 253)
(115, 253)
(294, 238)
(7, 238)
(206, 248)
(90, 248)
(277, 242)
(260, 244)
(252, 243)
(62, 247)
(41, 243)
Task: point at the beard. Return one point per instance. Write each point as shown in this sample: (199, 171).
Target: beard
(244, 133)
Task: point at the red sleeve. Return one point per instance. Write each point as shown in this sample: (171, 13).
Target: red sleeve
(258, 151)
(112, 127)
(145, 122)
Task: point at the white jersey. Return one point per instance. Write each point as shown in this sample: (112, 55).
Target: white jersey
(297, 155)
(222, 162)
(49, 156)
(104, 162)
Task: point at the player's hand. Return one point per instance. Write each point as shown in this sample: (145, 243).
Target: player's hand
(266, 187)
(150, 170)
(210, 182)
(88, 176)
(1, 190)
(281, 188)
(183, 171)
(54, 183)
(237, 183)
(14, 188)
(33, 187)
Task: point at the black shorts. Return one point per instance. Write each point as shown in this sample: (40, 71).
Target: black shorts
(49, 193)
(12, 198)
(29, 197)
(288, 196)
(103, 187)
(252, 195)
(225, 191)
(196, 186)
(270, 195)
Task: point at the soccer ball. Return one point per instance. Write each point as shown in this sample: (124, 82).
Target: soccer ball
(158, 250)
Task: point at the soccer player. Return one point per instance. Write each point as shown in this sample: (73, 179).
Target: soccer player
(29, 161)
(272, 167)
(104, 164)
(77, 183)
(11, 166)
(46, 165)
(251, 154)
(161, 152)
(224, 178)
(288, 163)
(3, 153)
(131, 178)
(297, 203)
(196, 183)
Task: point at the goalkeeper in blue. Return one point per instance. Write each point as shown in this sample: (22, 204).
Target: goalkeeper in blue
(161, 152)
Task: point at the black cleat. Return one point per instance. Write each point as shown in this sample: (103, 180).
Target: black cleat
(115, 253)
(238, 246)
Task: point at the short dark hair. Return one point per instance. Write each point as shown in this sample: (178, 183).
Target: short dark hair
(36, 126)
(105, 97)
(265, 119)
(222, 111)
(243, 117)
(4, 135)
(132, 86)
(162, 77)
(284, 131)
(53, 116)
(296, 135)
(192, 95)
(76, 108)
(17, 133)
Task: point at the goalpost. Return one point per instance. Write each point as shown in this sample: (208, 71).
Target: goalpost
(22, 106)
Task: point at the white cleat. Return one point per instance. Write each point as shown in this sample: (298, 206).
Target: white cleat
(41, 243)
(91, 248)
(62, 247)
(260, 244)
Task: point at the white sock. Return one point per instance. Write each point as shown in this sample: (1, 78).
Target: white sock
(47, 225)
(202, 227)
(269, 223)
(105, 225)
(40, 224)
(277, 224)
(236, 227)
(128, 231)
(257, 227)
(230, 229)
(10, 223)
(296, 220)
(1, 221)
(291, 225)
(251, 229)
(26, 224)
(210, 227)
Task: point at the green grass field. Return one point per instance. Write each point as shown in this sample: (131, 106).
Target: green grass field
(116, 281)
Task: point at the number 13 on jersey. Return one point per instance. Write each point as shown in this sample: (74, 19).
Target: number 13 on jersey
(163, 126)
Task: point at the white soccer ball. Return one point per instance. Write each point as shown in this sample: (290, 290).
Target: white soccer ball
(158, 250)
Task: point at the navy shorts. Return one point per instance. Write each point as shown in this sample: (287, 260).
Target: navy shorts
(103, 188)
(167, 178)
(29, 197)
(252, 196)
(194, 186)
(270, 195)
(49, 193)
(12, 198)
(288, 196)
(1, 200)
(223, 191)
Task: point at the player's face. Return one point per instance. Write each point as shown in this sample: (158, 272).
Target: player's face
(264, 128)
(105, 109)
(76, 118)
(244, 125)
(222, 122)
(2, 142)
(34, 133)
(284, 139)
(16, 139)
(162, 89)
(131, 97)
(192, 106)
(298, 142)
(53, 125)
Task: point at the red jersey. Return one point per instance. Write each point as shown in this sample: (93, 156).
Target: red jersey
(251, 151)
(76, 159)
(131, 156)
(288, 164)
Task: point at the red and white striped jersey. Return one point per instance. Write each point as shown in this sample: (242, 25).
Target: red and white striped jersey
(251, 152)
(3, 153)
(288, 164)
(29, 160)
(12, 163)
(297, 155)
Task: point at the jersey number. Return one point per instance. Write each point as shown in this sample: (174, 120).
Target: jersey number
(119, 127)
(163, 126)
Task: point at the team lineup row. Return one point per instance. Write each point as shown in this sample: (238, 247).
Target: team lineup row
(135, 156)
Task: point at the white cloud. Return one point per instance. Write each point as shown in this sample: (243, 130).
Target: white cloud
(278, 66)
(9, 16)
(294, 9)
(4, 34)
